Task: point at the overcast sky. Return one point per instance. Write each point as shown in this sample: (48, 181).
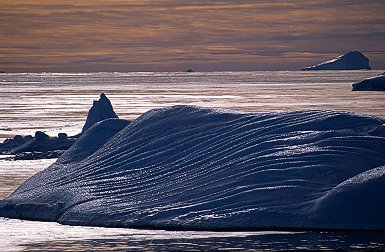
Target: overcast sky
(170, 35)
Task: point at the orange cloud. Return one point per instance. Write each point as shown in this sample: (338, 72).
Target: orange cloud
(173, 35)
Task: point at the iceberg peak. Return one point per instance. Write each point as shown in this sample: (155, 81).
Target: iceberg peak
(101, 109)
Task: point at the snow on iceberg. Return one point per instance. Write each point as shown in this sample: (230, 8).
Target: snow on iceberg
(187, 167)
(349, 61)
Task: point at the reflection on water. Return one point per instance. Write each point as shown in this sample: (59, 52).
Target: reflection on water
(19, 235)
(59, 102)
(266, 242)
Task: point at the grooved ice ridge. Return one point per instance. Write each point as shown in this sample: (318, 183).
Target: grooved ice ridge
(186, 167)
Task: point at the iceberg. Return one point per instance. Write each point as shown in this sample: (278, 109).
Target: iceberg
(349, 61)
(100, 110)
(36, 147)
(43, 146)
(193, 168)
(376, 83)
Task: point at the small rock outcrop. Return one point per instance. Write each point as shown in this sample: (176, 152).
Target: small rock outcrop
(349, 61)
(100, 110)
(371, 84)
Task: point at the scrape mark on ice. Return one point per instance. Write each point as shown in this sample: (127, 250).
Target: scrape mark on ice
(187, 167)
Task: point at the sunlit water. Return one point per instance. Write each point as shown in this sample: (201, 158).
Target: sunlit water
(55, 102)
(59, 103)
(19, 235)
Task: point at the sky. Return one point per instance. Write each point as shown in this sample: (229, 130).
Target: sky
(170, 35)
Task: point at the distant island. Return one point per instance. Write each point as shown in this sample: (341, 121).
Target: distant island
(349, 61)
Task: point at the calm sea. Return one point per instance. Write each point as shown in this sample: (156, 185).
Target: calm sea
(17, 235)
(57, 102)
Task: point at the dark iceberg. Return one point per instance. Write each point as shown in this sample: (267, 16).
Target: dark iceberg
(43, 146)
(371, 84)
(349, 61)
(187, 167)
(36, 147)
(100, 110)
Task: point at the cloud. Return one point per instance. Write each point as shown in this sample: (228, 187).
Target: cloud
(169, 32)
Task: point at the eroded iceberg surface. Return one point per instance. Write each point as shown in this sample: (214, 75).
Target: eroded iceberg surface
(186, 167)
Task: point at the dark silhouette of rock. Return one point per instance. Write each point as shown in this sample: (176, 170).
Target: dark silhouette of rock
(189, 70)
(371, 84)
(100, 110)
(350, 61)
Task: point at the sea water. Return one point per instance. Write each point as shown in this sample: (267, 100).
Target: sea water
(58, 102)
(55, 102)
(19, 235)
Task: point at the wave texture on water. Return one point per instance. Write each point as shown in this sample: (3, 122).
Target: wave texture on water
(187, 167)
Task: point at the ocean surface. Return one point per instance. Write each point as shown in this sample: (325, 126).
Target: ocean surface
(55, 102)
(58, 102)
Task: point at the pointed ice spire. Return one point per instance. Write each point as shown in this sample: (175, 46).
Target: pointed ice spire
(99, 111)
